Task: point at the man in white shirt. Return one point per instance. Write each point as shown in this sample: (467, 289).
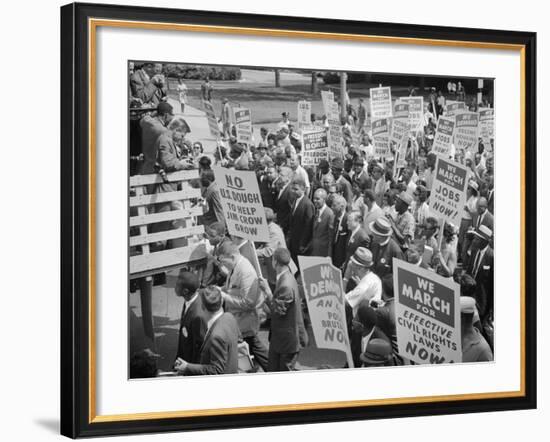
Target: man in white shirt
(299, 172)
(368, 285)
(372, 210)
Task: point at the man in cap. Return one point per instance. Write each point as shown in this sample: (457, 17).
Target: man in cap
(219, 353)
(193, 320)
(341, 231)
(287, 331)
(337, 166)
(366, 284)
(378, 353)
(403, 226)
(480, 267)
(151, 128)
(384, 248)
(474, 346)
(323, 225)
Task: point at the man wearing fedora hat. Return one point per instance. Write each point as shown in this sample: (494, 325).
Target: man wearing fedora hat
(364, 330)
(404, 225)
(378, 353)
(367, 285)
(383, 247)
(480, 267)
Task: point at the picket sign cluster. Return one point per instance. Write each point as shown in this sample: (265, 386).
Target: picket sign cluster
(184, 238)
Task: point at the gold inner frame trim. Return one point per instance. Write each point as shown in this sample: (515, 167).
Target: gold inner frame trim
(93, 24)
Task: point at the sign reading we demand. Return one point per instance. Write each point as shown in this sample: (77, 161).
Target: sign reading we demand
(242, 204)
(427, 315)
(326, 303)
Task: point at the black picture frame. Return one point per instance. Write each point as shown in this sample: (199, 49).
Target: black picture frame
(76, 248)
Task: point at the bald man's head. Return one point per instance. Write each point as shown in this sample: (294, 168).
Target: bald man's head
(481, 205)
(319, 198)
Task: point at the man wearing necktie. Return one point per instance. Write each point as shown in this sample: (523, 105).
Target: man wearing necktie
(301, 221)
(481, 269)
(323, 225)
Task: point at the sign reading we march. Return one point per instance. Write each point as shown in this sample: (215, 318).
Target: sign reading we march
(443, 136)
(243, 123)
(427, 315)
(448, 192)
(242, 204)
(325, 303)
(380, 102)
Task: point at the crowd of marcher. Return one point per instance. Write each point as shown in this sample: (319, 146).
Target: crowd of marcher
(358, 210)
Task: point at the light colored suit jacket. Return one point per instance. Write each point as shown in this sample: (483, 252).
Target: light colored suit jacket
(265, 252)
(243, 296)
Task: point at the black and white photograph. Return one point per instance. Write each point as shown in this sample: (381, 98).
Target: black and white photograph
(289, 220)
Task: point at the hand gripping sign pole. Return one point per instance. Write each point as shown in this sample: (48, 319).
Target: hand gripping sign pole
(326, 303)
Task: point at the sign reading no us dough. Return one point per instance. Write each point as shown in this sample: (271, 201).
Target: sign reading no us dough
(427, 315)
(242, 204)
(326, 303)
(448, 192)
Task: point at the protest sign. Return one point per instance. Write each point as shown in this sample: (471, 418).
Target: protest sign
(243, 123)
(335, 141)
(304, 114)
(242, 204)
(466, 126)
(427, 315)
(448, 192)
(401, 110)
(399, 130)
(454, 107)
(416, 112)
(443, 136)
(486, 124)
(380, 102)
(381, 138)
(314, 147)
(333, 115)
(325, 299)
(211, 117)
(327, 97)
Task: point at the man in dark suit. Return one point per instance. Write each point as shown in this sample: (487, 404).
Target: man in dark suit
(482, 217)
(357, 236)
(360, 175)
(264, 183)
(323, 225)
(214, 273)
(480, 267)
(283, 198)
(341, 231)
(193, 318)
(337, 168)
(287, 331)
(301, 221)
(211, 195)
(219, 352)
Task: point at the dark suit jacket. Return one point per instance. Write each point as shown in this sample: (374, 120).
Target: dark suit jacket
(301, 227)
(323, 234)
(340, 241)
(266, 193)
(484, 279)
(215, 210)
(360, 239)
(283, 208)
(219, 353)
(191, 332)
(488, 220)
(347, 191)
(285, 322)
